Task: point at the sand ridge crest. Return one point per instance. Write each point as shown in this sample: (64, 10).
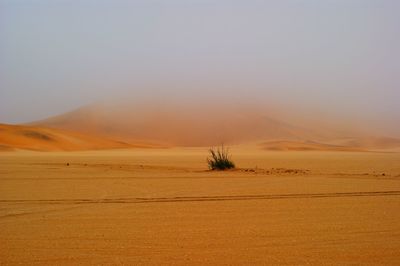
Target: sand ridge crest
(13, 137)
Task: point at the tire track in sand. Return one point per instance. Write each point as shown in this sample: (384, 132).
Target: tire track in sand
(206, 198)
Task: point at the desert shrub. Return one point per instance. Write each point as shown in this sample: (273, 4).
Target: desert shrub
(220, 159)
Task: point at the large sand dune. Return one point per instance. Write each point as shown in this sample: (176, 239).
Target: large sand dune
(178, 125)
(46, 139)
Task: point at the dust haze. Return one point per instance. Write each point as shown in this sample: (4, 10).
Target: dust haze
(334, 62)
(112, 114)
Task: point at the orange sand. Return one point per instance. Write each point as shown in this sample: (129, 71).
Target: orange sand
(45, 139)
(162, 207)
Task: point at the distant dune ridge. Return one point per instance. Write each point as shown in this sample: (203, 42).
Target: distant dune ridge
(45, 139)
(177, 125)
(111, 126)
(284, 145)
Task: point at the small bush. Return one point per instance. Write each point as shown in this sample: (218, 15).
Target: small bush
(220, 159)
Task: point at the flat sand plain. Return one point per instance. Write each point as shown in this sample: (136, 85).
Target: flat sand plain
(163, 207)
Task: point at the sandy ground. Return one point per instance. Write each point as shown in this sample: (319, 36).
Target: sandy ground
(162, 207)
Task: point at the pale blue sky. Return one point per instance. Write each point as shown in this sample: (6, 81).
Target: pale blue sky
(336, 56)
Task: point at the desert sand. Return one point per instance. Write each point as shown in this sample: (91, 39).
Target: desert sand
(163, 207)
(168, 125)
(118, 120)
(22, 137)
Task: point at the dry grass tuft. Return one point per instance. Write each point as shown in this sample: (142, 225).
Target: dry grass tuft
(220, 159)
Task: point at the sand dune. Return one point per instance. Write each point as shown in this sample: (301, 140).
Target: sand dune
(284, 145)
(370, 142)
(45, 139)
(178, 125)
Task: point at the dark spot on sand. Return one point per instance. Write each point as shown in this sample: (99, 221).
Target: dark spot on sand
(36, 135)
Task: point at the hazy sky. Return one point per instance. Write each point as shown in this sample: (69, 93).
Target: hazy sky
(334, 56)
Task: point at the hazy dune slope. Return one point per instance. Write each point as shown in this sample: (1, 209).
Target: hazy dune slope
(205, 125)
(177, 125)
(45, 139)
(305, 146)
